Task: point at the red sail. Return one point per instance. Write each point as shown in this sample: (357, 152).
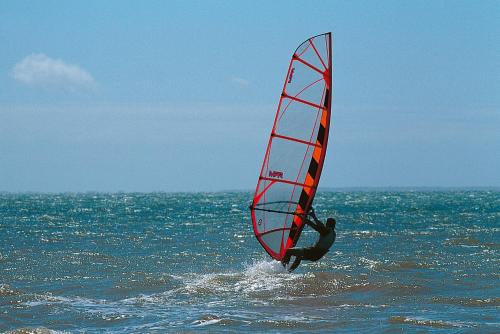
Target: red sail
(296, 150)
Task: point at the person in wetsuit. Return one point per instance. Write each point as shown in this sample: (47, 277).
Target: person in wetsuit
(321, 247)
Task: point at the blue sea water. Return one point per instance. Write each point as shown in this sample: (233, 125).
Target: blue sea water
(404, 261)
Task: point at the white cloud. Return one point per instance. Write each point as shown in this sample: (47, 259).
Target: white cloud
(240, 81)
(40, 70)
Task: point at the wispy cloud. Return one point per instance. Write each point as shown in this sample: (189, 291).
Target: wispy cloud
(41, 70)
(240, 81)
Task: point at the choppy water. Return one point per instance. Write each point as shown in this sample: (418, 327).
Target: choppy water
(403, 261)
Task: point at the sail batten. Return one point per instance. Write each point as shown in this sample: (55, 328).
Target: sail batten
(296, 149)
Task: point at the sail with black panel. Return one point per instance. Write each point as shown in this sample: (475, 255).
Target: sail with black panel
(296, 150)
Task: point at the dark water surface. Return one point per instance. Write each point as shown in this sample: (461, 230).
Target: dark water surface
(421, 261)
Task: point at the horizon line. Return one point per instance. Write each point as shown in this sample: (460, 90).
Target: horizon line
(325, 189)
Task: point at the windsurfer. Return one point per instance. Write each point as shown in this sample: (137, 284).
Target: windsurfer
(321, 247)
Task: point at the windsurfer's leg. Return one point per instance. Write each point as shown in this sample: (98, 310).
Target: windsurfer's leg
(294, 252)
(297, 252)
(286, 258)
(313, 254)
(295, 263)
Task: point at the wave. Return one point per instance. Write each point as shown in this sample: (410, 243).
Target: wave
(418, 321)
(471, 242)
(393, 266)
(7, 290)
(470, 302)
(261, 282)
(34, 330)
(212, 319)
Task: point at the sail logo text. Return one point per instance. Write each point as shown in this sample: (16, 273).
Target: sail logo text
(276, 174)
(290, 77)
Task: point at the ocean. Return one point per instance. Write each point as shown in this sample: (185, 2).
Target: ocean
(404, 262)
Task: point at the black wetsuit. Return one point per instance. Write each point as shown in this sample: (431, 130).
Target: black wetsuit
(314, 253)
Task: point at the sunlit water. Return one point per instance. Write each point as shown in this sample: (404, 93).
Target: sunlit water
(403, 262)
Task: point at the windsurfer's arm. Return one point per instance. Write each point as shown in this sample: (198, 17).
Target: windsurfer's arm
(313, 215)
(317, 225)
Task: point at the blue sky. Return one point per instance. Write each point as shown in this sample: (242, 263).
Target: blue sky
(180, 96)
